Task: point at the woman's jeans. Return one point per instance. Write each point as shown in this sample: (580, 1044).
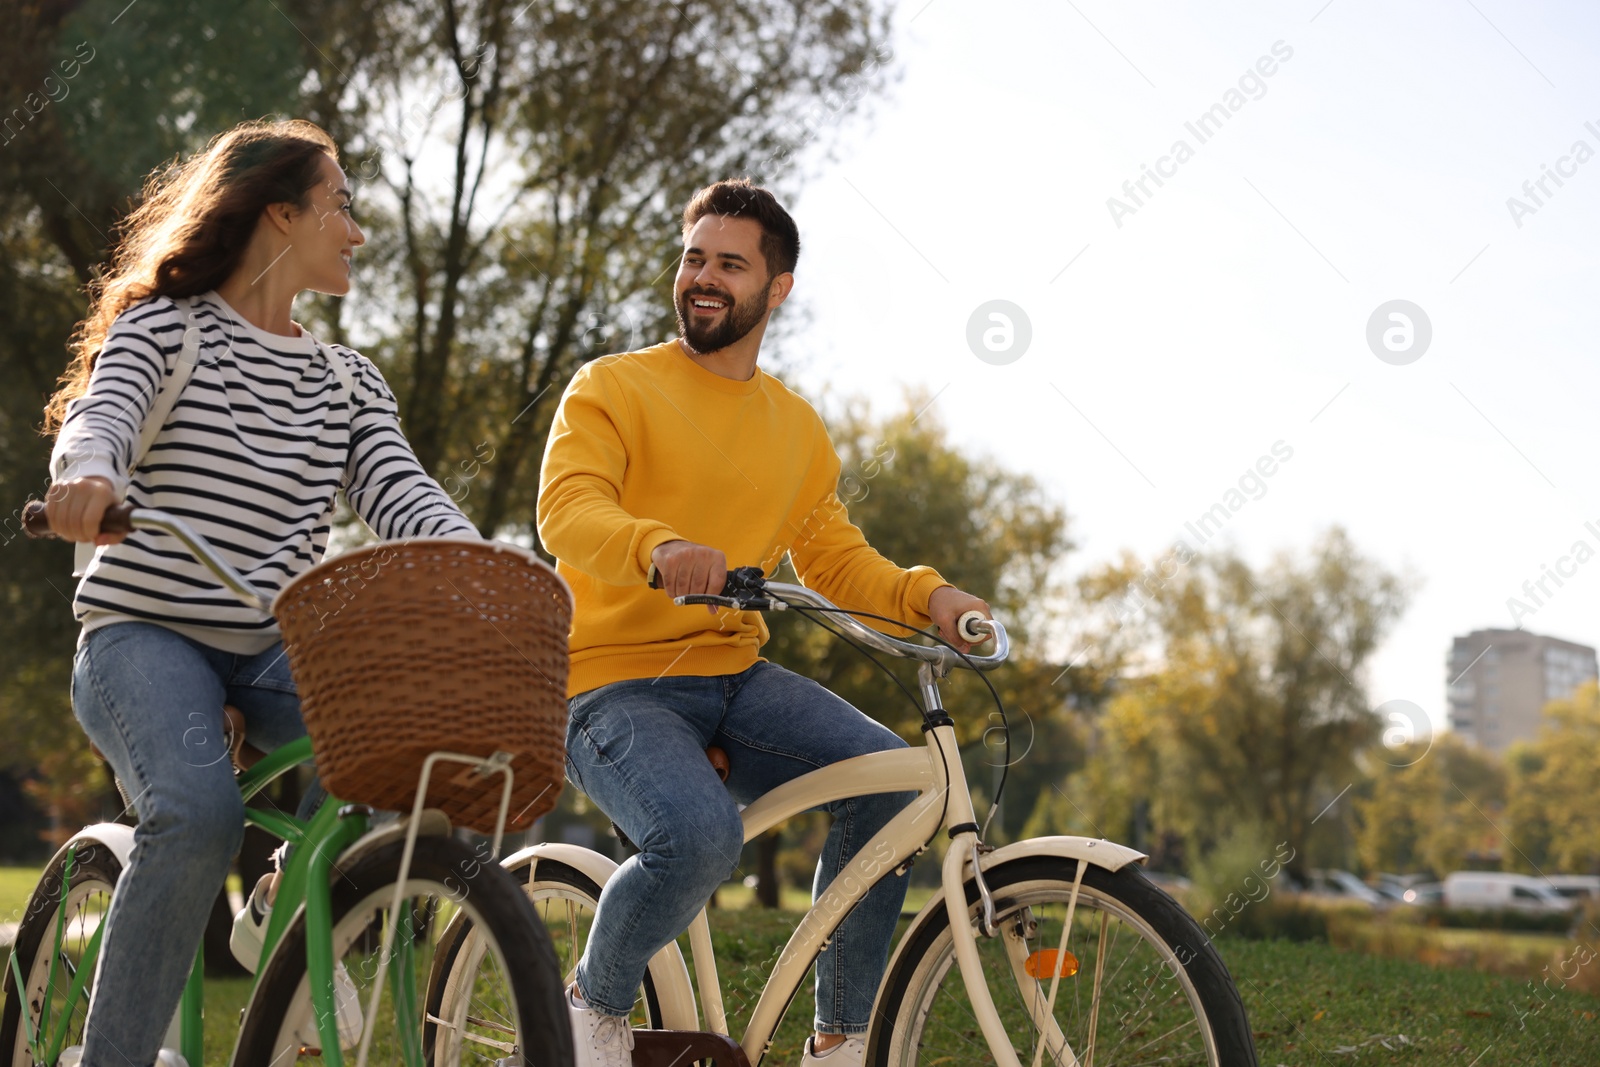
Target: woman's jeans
(151, 700)
(637, 748)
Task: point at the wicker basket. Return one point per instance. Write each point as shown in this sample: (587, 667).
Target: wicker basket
(405, 648)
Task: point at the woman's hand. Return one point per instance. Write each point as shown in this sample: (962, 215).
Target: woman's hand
(75, 508)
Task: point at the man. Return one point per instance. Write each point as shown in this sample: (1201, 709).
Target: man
(685, 458)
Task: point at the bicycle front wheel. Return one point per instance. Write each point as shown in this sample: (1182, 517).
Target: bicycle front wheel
(1137, 981)
(505, 1008)
(564, 899)
(47, 1012)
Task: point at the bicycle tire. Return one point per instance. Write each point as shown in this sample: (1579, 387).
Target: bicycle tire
(564, 899)
(1167, 999)
(521, 1019)
(95, 872)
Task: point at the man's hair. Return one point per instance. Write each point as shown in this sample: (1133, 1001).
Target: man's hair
(740, 198)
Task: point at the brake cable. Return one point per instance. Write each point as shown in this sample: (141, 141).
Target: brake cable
(1005, 722)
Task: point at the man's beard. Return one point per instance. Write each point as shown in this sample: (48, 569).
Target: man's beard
(737, 320)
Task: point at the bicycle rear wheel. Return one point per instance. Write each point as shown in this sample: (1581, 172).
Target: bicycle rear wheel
(505, 1006)
(1140, 983)
(62, 915)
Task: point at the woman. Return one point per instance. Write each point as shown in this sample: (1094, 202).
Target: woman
(268, 427)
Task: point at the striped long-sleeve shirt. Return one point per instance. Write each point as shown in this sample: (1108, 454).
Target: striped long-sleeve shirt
(260, 440)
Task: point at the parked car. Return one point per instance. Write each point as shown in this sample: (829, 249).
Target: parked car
(1342, 885)
(1575, 887)
(1400, 888)
(1391, 892)
(1425, 893)
(1497, 889)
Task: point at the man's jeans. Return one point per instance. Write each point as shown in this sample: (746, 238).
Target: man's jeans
(151, 701)
(637, 748)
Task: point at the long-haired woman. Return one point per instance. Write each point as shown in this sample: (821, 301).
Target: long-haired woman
(269, 426)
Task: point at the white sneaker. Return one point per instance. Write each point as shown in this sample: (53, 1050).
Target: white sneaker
(598, 1040)
(250, 926)
(249, 932)
(851, 1053)
(72, 1055)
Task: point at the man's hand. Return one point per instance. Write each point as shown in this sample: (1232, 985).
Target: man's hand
(687, 568)
(946, 606)
(75, 508)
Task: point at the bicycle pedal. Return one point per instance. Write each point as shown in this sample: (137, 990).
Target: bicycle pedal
(673, 1048)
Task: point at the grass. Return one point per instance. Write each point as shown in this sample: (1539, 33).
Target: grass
(16, 883)
(1313, 1004)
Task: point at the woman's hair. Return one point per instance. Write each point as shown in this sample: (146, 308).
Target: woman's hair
(191, 229)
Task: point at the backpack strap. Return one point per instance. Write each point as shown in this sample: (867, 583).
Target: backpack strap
(171, 386)
(167, 391)
(341, 371)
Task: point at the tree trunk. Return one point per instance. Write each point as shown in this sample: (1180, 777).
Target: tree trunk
(767, 869)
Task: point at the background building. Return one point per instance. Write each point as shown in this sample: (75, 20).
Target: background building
(1498, 682)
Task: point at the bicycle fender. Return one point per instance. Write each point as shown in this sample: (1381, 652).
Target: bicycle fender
(115, 836)
(119, 839)
(667, 967)
(1100, 853)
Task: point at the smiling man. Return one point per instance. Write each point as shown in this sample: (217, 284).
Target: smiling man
(685, 458)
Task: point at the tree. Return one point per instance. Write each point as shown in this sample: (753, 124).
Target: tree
(531, 168)
(1429, 807)
(1242, 700)
(1554, 824)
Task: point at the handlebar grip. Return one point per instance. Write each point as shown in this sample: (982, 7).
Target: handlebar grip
(740, 580)
(36, 523)
(967, 627)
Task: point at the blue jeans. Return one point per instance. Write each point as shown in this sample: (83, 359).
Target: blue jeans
(151, 701)
(637, 748)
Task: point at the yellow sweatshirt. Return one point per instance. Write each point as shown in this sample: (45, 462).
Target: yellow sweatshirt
(650, 447)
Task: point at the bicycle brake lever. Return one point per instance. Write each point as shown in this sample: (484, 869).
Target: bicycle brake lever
(749, 603)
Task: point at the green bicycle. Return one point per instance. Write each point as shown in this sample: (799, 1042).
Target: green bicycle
(359, 900)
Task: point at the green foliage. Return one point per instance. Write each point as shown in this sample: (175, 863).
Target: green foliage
(1554, 824)
(163, 76)
(1241, 701)
(1556, 922)
(1428, 808)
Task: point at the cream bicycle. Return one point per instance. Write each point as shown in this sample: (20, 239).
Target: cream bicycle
(1049, 950)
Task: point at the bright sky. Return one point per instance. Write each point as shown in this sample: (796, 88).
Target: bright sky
(1229, 310)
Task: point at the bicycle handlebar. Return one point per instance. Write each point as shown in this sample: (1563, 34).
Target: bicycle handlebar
(748, 590)
(125, 518)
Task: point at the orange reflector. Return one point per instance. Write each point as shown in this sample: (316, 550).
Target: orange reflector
(1044, 964)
